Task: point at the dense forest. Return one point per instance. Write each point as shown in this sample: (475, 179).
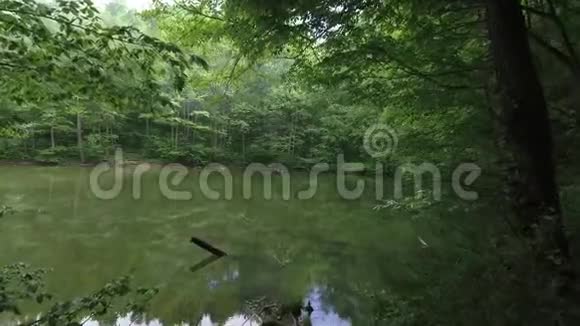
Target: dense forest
(494, 83)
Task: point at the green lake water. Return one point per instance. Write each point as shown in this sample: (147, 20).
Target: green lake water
(333, 252)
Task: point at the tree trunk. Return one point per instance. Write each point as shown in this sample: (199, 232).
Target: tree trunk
(215, 136)
(194, 120)
(526, 141)
(80, 138)
(110, 141)
(244, 146)
(32, 133)
(147, 128)
(176, 140)
(52, 140)
(172, 137)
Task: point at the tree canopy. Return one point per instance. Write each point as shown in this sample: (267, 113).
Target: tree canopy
(299, 82)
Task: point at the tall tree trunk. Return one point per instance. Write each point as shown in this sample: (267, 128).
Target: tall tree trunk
(80, 138)
(188, 129)
(194, 120)
(215, 136)
(244, 146)
(52, 140)
(526, 140)
(147, 128)
(172, 136)
(176, 140)
(33, 138)
(109, 137)
(145, 143)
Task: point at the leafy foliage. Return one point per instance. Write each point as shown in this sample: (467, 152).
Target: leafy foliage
(297, 82)
(19, 283)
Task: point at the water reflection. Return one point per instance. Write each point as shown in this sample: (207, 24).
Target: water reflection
(326, 250)
(323, 315)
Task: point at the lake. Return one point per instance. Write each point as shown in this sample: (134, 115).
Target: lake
(338, 254)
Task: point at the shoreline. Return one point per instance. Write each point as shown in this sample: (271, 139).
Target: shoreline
(153, 163)
(68, 163)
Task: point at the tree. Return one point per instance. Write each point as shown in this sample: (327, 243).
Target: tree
(62, 56)
(364, 41)
(527, 142)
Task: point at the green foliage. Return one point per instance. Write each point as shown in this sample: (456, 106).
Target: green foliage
(19, 284)
(116, 297)
(59, 61)
(412, 204)
(56, 154)
(297, 82)
(159, 148)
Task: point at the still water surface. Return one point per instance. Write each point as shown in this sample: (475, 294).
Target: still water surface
(330, 251)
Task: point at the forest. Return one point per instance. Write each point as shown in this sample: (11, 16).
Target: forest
(290, 85)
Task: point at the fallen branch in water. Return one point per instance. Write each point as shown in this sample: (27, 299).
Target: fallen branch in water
(204, 245)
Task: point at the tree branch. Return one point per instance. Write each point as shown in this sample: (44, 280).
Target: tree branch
(432, 78)
(571, 60)
(564, 33)
(561, 56)
(536, 12)
(196, 11)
